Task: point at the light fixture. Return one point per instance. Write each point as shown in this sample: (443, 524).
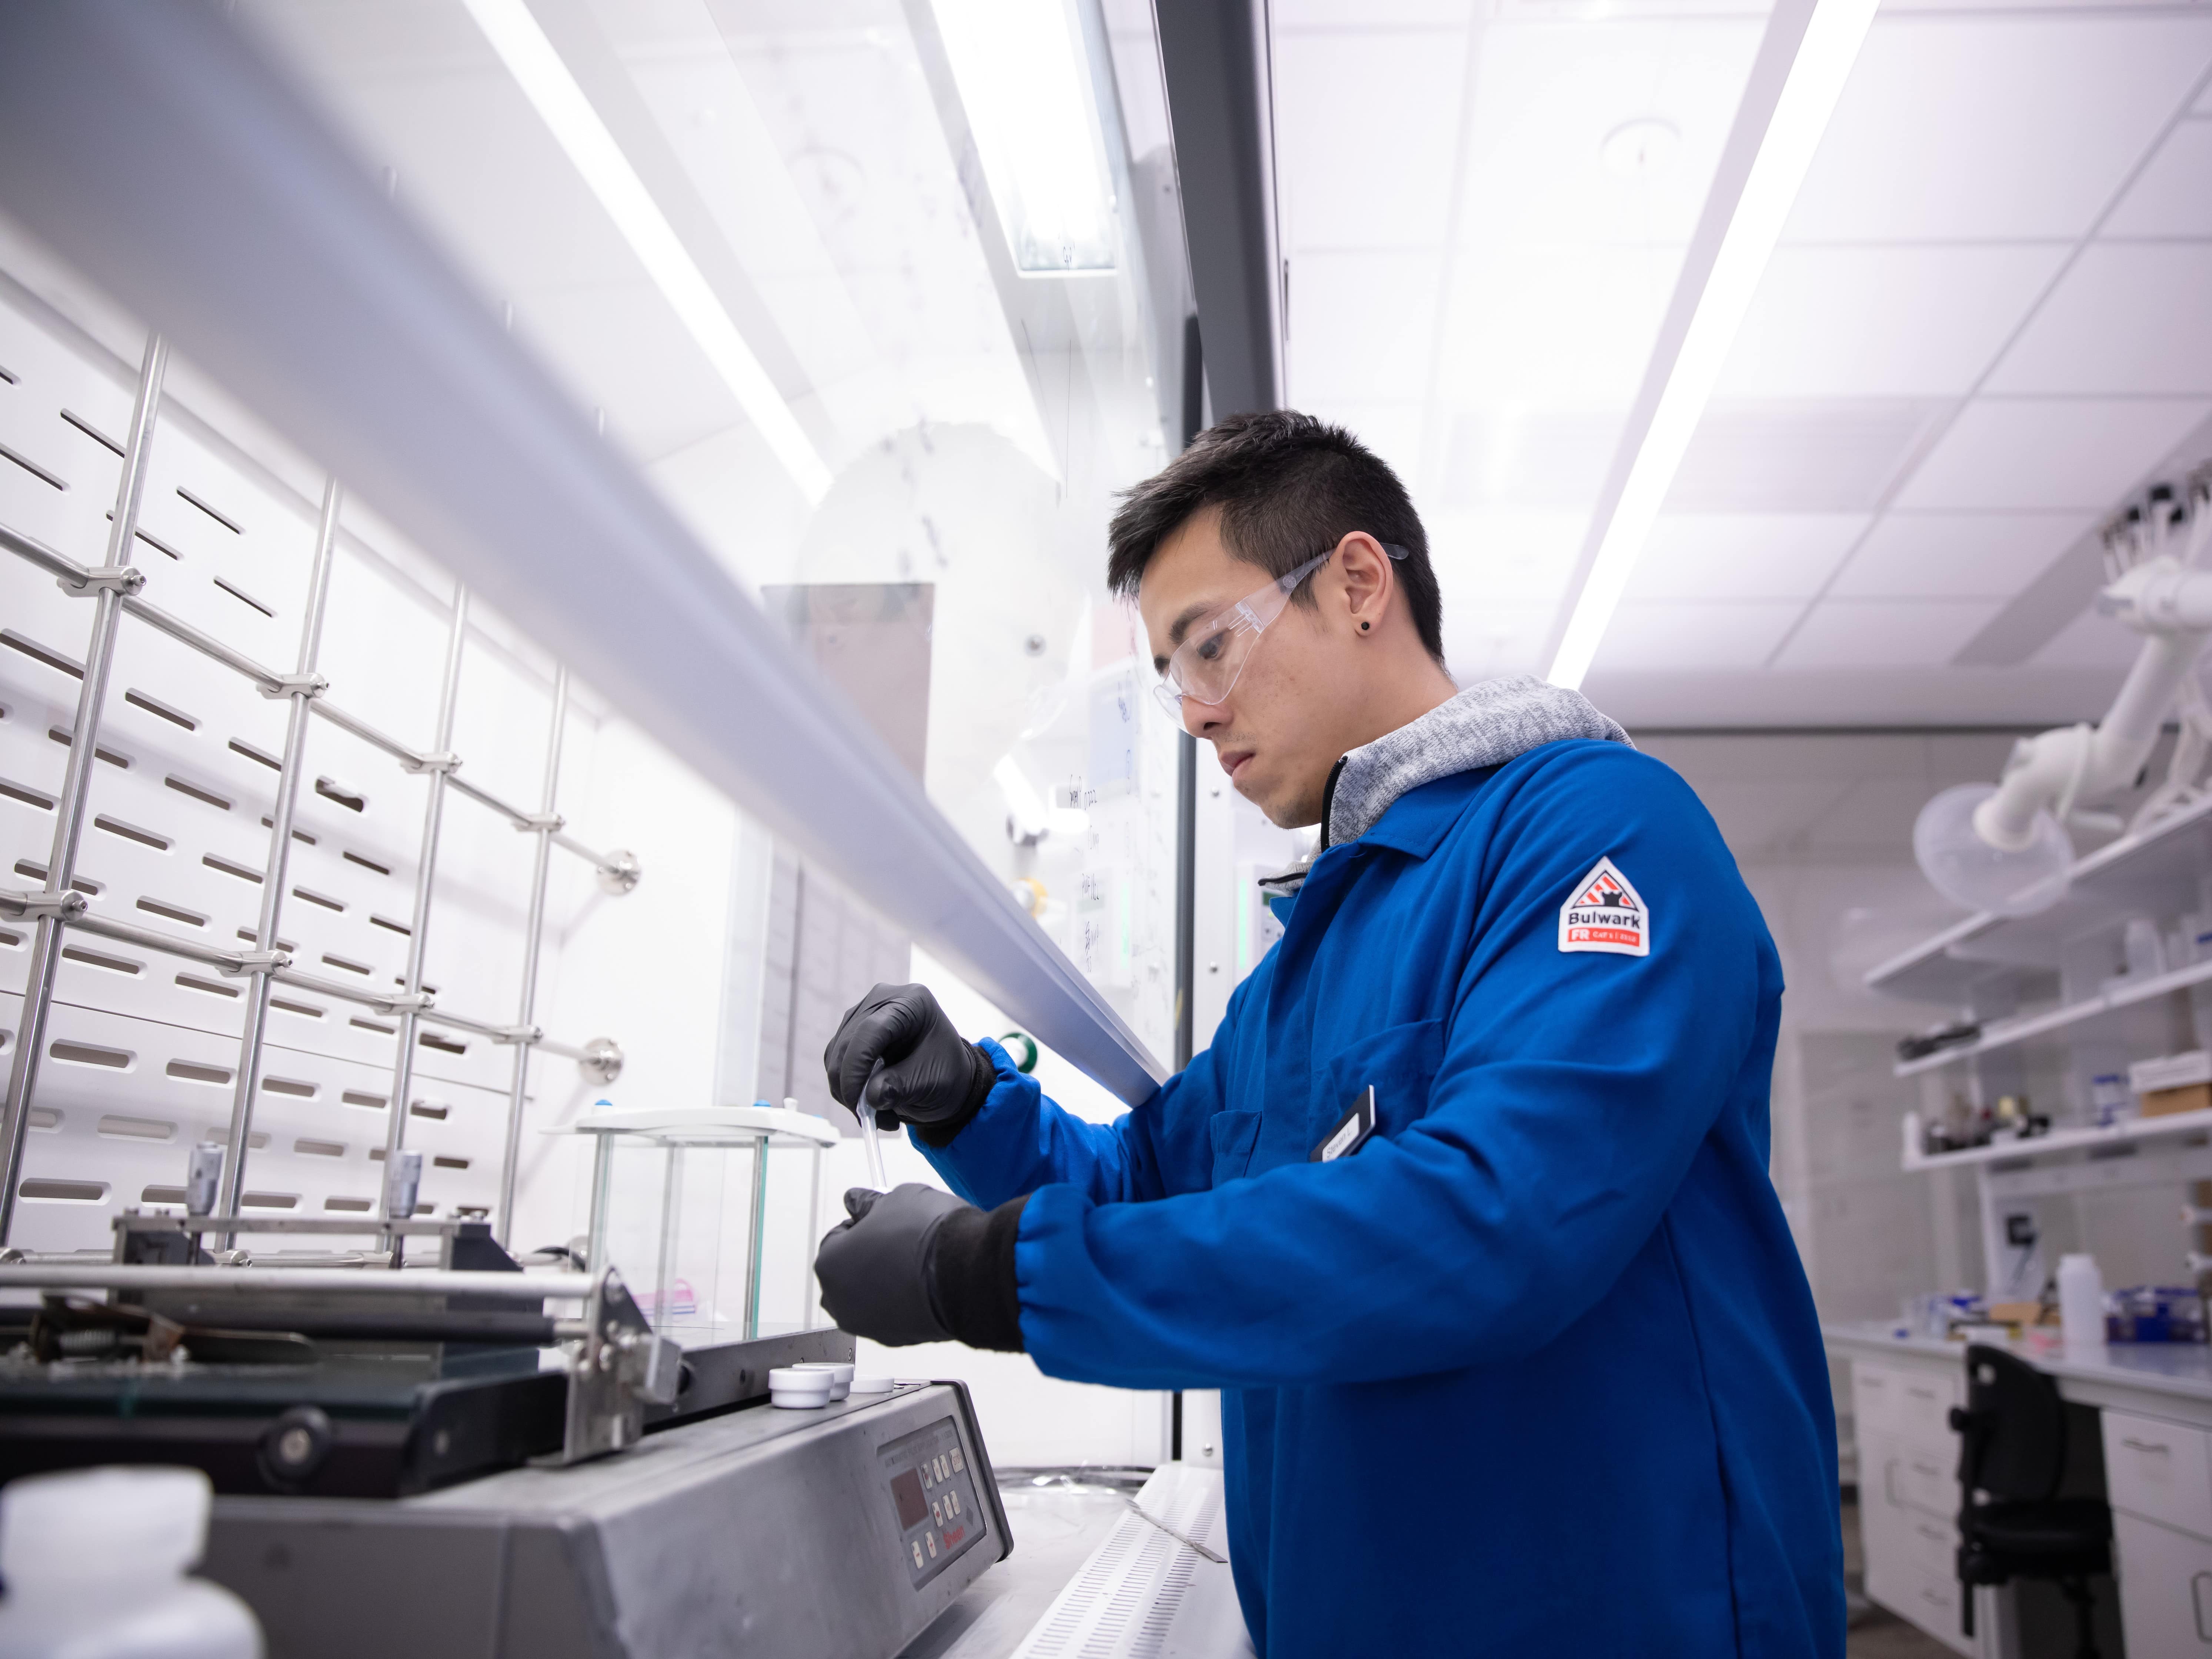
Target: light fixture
(1020, 72)
(1817, 73)
(560, 104)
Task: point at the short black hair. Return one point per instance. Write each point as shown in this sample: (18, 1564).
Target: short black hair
(1289, 486)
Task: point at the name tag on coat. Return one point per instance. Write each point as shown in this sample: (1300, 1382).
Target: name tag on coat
(1351, 1132)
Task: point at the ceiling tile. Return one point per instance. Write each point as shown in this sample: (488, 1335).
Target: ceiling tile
(1875, 812)
(2125, 319)
(1352, 16)
(1705, 635)
(1957, 555)
(1510, 558)
(1548, 94)
(2173, 196)
(1742, 556)
(2004, 126)
(1553, 325)
(1351, 179)
(1844, 322)
(2091, 641)
(1393, 431)
(1884, 634)
(1362, 325)
(1481, 642)
(2020, 454)
(1532, 458)
(1799, 455)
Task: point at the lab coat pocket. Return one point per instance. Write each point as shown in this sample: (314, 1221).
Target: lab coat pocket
(1235, 1134)
(1400, 1062)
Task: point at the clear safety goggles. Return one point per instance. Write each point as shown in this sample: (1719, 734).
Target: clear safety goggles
(1206, 665)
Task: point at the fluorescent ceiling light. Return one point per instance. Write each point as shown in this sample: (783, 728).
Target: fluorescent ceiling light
(1825, 55)
(1020, 72)
(560, 104)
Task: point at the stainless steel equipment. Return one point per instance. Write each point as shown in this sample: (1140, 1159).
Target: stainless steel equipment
(834, 1534)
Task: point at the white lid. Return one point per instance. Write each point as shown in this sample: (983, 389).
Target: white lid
(869, 1383)
(105, 1523)
(840, 1368)
(800, 1387)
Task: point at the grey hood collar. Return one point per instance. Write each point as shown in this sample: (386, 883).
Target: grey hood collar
(1487, 725)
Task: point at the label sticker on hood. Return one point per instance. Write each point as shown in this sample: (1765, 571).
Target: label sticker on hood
(1604, 913)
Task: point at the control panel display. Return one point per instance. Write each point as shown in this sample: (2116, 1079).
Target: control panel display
(933, 1495)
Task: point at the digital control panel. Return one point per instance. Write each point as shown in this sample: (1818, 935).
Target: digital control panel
(933, 1493)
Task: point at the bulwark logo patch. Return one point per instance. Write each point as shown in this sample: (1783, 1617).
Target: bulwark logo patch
(1604, 913)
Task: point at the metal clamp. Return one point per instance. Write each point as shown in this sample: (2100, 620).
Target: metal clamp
(443, 761)
(32, 906)
(256, 961)
(404, 1002)
(294, 685)
(510, 1035)
(549, 822)
(617, 1369)
(125, 579)
(602, 1061)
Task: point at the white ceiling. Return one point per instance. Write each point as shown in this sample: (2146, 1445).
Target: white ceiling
(1985, 328)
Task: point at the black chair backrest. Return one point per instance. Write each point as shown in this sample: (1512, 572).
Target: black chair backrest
(2015, 1444)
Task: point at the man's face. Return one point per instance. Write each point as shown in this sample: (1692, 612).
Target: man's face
(1279, 731)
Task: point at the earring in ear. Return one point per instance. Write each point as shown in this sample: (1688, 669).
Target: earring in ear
(1363, 628)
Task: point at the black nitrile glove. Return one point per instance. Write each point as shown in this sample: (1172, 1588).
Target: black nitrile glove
(917, 1265)
(931, 1078)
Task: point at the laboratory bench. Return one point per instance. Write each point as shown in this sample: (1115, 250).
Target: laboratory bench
(2153, 1405)
(1088, 1575)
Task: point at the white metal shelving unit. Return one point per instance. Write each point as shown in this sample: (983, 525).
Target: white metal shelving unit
(2004, 974)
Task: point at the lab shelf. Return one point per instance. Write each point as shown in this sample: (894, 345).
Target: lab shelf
(2005, 1033)
(2134, 1131)
(2141, 871)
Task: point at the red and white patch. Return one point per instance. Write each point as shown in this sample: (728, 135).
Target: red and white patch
(1605, 912)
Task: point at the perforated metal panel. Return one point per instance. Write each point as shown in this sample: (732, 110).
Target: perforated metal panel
(142, 1048)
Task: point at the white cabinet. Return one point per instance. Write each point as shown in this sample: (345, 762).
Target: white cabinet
(1909, 1493)
(2159, 1470)
(2166, 1588)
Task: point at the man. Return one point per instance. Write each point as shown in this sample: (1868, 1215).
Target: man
(1466, 1210)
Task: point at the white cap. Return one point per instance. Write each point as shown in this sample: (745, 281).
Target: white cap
(797, 1389)
(869, 1382)
(101, 1523)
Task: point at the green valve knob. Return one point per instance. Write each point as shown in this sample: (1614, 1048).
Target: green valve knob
(1027, 1063)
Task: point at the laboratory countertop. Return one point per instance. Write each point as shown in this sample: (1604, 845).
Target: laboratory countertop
(1054, 1530)
(2180, 1370)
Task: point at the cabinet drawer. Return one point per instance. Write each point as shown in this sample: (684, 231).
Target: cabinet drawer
(2166, 1588)
(1931, 1602)
(1929, 1545)
(1875, 1393)
(1921, 1480)
(1924, 1410)
(2160, 1471)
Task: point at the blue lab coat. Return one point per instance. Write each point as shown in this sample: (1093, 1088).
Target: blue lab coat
(1534, 1371)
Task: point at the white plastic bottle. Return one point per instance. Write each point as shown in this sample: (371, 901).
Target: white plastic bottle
(95, 1562)
(2080, 1302)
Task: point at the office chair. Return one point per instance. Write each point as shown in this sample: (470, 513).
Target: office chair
(2012, 1523)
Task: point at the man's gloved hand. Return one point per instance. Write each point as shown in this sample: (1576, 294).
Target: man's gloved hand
(931, 1078)
(917, 1265)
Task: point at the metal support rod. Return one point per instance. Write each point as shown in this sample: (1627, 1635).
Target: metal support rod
(1186, 911)
(671, 1223)
(77, 782)
(306, 1281)
(755, 1232)
(403, 1070)
(38, 553)
(806, 1299)
(206, 644)
(603, 1182)
(276, 870)
(533, 939)
(413, 759)
(154, 938)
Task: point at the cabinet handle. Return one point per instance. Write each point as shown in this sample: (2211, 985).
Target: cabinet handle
(1921, 1393)
(2151, 1446)
(1928, 1469)
(1931, 1535)
(1889, 1482)
(2197, 1604)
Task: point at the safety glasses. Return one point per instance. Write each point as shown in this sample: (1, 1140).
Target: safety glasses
(1206, 665)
